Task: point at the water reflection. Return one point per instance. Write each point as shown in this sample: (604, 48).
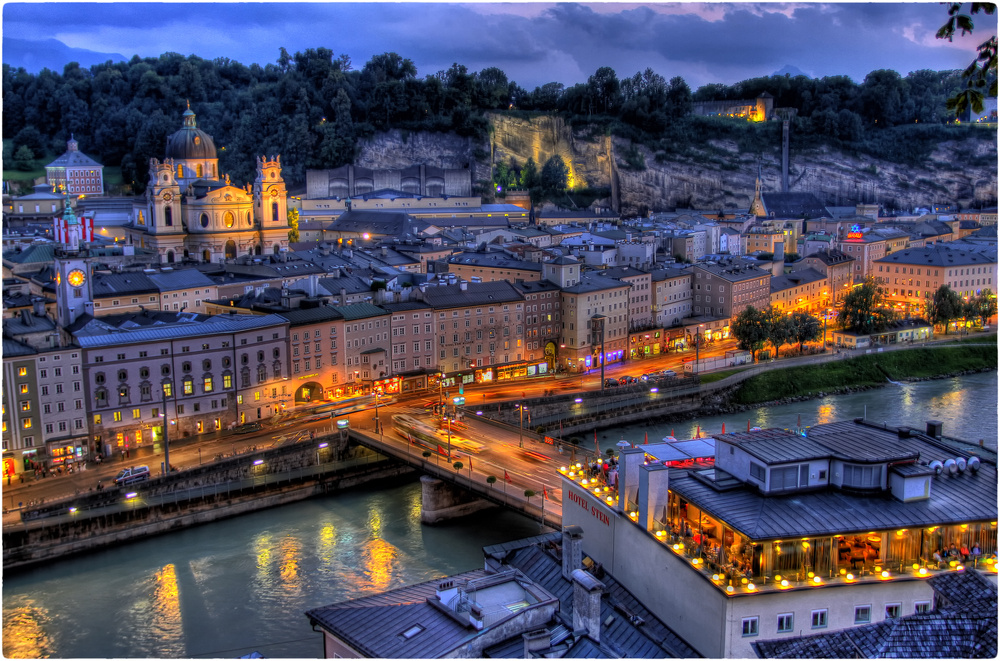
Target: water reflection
(290, 553)
(826, 412)
(25, 627)
(378, 561)
(327, 543)
(166, 612)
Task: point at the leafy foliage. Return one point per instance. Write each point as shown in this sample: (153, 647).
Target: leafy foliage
(804, 327)
(865, 309)
(293, 224)
(750, 330)
(981, 74)
(944, 306)
(983, 306)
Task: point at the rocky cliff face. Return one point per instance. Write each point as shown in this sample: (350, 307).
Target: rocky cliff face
(719, 177)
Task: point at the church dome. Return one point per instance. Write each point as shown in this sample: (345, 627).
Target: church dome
(190, 142)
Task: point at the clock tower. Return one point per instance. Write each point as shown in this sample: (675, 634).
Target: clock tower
(73, 292)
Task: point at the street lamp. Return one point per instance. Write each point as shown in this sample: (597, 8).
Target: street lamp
(520, 429)
(697, 346)
(378, 428)
(166, 441)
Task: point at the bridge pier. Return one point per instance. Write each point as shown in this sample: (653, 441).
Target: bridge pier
(440, 501)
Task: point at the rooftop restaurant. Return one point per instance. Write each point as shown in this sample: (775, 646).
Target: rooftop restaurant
(778, 510)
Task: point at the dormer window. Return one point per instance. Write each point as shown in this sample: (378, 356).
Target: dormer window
(862, 477)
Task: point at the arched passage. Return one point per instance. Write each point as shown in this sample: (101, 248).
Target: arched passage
(230, 249)
(309, 392)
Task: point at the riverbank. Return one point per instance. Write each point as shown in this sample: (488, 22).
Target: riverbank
(862, 373)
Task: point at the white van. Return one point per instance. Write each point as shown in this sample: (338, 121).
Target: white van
(132, 475)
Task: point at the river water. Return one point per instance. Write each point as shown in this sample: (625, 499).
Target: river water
(242, 585)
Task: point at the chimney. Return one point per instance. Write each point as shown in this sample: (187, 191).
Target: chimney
(535, 641)
(39, 307)
(652, 494)
(629, 461)
(463, 285)
(343, 296)
(572, 550)
(587, 592)
(778, 261)
(385, 251)
(26, 318)
(934, 428)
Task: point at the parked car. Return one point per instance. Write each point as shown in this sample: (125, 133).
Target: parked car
(627, 380)
(610, 383)
(132, 475)
(670, 374)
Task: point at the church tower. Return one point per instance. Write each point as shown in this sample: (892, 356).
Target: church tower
(271, 203)
(73, 293)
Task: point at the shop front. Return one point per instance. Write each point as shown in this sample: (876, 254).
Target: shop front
(70, 451)
(646, 344)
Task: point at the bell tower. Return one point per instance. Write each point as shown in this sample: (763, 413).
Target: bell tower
(163, 198)
(73, 292)
(271, 203)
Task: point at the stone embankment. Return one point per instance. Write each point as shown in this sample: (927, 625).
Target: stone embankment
(222, 489)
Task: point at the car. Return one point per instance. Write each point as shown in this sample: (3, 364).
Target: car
(131, 475)
(247, 428)
(627, 380)
(670, 374)
(610, 383)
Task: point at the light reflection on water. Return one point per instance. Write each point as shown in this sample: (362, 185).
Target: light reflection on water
(243, 584)
(967, 406)
(25, 627)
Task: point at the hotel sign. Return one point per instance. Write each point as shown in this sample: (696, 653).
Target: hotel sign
(587, 503)
(855, 232)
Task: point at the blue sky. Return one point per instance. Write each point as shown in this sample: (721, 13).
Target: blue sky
(534, 43)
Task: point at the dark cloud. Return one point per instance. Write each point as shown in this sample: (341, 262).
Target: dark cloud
(562, 42)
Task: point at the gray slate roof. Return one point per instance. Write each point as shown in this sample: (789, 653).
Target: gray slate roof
(940, 255)
(212, 325)
(967, 632)
(476, 293)
(793, 205)
(961, 498)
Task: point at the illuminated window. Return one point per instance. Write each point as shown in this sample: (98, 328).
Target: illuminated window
(26, 423)
(24, 388)
(227, 381)
(208, 384)
(97, 419)
(256, 396)
(168, 389)
(136, 414)
(188, 386)
(22, 371)
(117, 415)
(26, 406)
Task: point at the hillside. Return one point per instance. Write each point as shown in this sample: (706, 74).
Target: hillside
(715, 174)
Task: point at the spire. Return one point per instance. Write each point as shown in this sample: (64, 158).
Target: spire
(189, 117)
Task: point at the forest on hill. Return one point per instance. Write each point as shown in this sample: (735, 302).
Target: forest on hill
(313, 107)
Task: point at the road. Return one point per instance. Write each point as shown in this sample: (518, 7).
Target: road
(502, 450)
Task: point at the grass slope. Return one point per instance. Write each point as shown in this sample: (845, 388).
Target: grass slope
(864, 371)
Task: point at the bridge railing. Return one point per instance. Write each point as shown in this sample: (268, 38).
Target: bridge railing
(544, 506)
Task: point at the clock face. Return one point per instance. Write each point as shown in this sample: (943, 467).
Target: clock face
(76, 277)
(167, 197)
(274, 192)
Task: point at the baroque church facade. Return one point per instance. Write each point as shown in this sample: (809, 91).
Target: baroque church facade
(192, 212)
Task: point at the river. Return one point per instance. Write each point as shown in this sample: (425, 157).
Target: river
(242, 585)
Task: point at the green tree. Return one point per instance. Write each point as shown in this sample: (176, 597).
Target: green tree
(944, 306)
(24, 159)
(981, 74)
(865, 309)
(778, 327)
(554, 175)
(293, 223)
(750, 330)
(804, 327)
(984, 306)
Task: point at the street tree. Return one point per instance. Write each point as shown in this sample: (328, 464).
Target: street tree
(865, 309)
(778, 328)
(750, 330)
(804, 327)
(554, 175)
(983, 306)
(944, 306)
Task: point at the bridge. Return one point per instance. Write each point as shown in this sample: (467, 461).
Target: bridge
(509, 485)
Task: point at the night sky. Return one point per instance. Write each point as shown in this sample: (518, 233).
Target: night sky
(533, 43)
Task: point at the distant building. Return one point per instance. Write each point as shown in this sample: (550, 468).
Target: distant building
(75, 172)
(351, 180)
(760, 109)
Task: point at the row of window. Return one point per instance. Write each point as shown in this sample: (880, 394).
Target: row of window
(819, 618)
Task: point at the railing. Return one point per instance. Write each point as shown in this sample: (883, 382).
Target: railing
(473, 477)
(175, 496)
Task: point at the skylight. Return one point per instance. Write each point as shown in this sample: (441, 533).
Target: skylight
(412, 631)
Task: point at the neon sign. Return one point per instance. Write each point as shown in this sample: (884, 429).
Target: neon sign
(855, 232)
